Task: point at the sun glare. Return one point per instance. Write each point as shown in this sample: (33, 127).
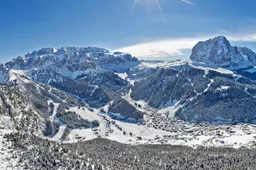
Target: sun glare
(151, 3)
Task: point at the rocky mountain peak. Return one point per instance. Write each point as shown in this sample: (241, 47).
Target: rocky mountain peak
(77, 57)
(219, 53)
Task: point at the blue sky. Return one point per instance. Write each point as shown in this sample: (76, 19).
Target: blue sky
(143, 29)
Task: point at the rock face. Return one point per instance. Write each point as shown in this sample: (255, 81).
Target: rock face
(249, 54)
(4, 75)
(218, 52)
(72, 60)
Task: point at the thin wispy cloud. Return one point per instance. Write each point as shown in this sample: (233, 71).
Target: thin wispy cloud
(175, 47)
(243, 38)
(160, 49)
(187, 1)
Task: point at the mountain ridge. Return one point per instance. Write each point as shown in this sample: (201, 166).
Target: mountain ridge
(69, 91)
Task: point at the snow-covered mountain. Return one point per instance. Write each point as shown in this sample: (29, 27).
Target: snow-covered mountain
(73, 94)
(72, 61)
(218, 52)
(99, 78)
(88, 73)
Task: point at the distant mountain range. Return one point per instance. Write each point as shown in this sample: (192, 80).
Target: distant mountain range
(215, 86)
